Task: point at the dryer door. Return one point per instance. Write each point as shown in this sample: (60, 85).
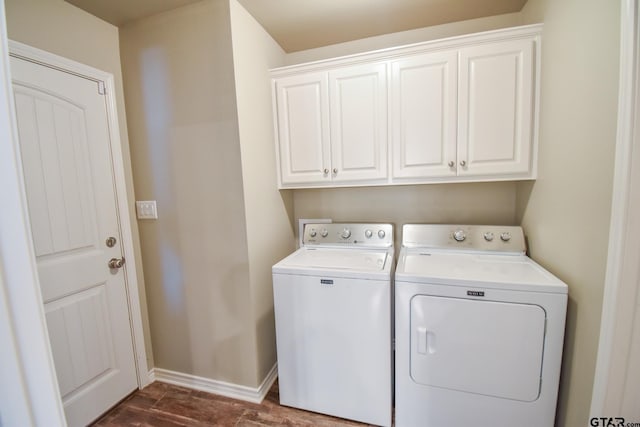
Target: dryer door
(484, 347)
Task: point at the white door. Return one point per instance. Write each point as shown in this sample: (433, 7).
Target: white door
(495, 113)
(358, 99)
(484, 347)
(303, 128)
(423, 115)
(64, 139)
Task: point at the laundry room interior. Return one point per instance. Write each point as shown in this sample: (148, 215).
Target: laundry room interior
(195, 106)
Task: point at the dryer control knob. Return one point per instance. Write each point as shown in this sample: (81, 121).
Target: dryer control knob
(381, 234)
(346, 233)
(505, 237)
(459, 235)
(313, 233)
(368, 233)
(324, 232)
(488, 236)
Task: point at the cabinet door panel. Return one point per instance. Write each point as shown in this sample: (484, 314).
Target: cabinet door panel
(358, 97)
(423, 115)
(495, 112)
(303, 128)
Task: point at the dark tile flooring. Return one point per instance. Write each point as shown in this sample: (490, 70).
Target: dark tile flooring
(161, 404)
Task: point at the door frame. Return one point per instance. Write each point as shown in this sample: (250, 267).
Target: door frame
(106, 81)
(622, 281)
(29, 392)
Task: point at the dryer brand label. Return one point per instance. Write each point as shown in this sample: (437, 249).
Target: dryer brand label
(326, 281)
(475, 293)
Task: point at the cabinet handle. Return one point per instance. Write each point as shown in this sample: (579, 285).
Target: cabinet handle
(335, 170)
(463, 163)
(451, 163)
(326, 171)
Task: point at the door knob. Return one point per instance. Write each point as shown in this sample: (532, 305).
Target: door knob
(116, 263)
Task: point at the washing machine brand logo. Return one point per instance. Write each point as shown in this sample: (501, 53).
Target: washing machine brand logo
(326, 281)
(475, 293)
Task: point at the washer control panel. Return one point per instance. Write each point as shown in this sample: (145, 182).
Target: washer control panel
(490, 238)
(348, 234)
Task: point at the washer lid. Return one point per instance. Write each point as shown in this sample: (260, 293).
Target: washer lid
(513, 272)
(343, 262)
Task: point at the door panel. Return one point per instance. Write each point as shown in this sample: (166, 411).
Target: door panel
(303, 126)
(484, 347)
(423, 109)
(495, 108)
(358, 97)
(66, 156)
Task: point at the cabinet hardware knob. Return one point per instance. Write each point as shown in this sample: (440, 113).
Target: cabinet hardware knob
(326, 171)
(451, 163)
(335, 170)
(463, 163)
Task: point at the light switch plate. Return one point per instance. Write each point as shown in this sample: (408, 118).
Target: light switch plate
(146, 209)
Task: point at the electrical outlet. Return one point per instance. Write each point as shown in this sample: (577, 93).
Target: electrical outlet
(146, 209)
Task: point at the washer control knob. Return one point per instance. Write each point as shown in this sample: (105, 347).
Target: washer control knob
(459, 235)
(488, 236)
(324, 232)
(346, 233)
(313, 232)
(381, 234)
(368, 233)
(505, 237)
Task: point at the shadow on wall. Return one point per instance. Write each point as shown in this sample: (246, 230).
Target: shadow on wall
(157, 101)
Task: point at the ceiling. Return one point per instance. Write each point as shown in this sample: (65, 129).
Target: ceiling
(304, 24)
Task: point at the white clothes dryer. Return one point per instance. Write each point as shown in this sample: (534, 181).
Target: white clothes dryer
(333, 313)
(479, 329)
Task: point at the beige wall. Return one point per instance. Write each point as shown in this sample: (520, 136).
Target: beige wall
(566, 211)
(63, 29)
(481, 203)
(267, 211)
(181, 106)
(405, 37)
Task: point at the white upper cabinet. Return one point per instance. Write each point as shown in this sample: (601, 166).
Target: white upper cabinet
(303, 128)
(495, 109)
(358, 104)
(423, 115)
(455, 110)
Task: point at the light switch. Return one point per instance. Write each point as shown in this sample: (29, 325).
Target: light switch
(146, 209)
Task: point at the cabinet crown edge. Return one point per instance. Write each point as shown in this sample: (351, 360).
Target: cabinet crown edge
(531, 31)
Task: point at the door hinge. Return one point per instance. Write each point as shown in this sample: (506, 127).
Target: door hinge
(102, 90)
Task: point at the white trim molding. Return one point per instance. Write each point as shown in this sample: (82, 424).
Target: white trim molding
(234, 391)
(617, 384)
(29, 392)
(106, 80)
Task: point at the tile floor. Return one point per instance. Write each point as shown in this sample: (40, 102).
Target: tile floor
(162, 404)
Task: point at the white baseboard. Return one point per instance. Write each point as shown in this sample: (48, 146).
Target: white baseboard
(235, 391)
(152, 375)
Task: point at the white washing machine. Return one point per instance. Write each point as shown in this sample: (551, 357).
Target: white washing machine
(479, 329)
(333, 314)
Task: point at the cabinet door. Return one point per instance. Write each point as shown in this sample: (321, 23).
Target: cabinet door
(303, 128)
(358, 97)
(495, 111)
(423, 115)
